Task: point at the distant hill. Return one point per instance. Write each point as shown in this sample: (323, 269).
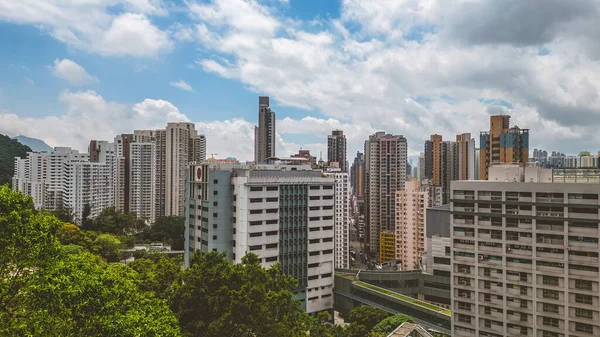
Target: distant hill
(9, 149)
(35, 144)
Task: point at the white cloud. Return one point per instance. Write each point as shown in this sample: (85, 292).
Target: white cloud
(397, 66)
(93, 26)
(72, 72)
(181, 84)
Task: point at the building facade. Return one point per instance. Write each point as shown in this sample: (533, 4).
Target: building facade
(142, 180)
(357, 175)
(280, 214)
(385, 173)
(410, 239)
(341, 217)
(502, 145)
(336, 149)
(264, 133)
(525, 255)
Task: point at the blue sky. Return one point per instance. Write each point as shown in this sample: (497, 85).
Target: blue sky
(73, 71)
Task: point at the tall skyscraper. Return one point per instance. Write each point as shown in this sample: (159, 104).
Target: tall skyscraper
(410, 225)
(183, 146)
(525, 253)
(123, 149)
(502, 144)
(385, 172)
(264, 133)
(357, 175)
(336, 149)
(142, 180)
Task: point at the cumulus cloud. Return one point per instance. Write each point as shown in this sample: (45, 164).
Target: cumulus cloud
(72, 72)
(92, 26)
(417, 67)
(181, 84)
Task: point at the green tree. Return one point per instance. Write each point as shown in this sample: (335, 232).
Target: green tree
(389, 324)
(366, 316)
(108, 247)
(116, 222)
(81, 295)
(63, 213)
(70, 234)
(87, 223)
(158, 276)
(217, 298)
(9, 150)
(169, 229)
(27, 242)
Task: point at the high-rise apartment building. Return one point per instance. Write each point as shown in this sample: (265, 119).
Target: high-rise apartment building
(357, 175)
(142, 180)
(525, 253)
(264, 133)
(341, 217)
(183, 146)
(410, 240)
(122, 149)
(280, 214)
(336, 149)
(465, 153)
(67, 178)
(385, 173)
(159, 139)
(502, 144)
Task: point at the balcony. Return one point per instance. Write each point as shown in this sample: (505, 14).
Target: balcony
(553, 256)
(582, 245)
(463, 197)
(583, 231)
(464, 209)
(550, 200)
(584, 259)
(549, 214)
(583, 201)
(465, 234)
(463, 221)
(550, 228)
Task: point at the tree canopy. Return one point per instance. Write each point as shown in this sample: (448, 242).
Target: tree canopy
(366, 316)
(9, 150)
(169, 229)
(389, 324)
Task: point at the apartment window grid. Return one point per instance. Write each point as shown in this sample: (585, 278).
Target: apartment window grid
(532, 259)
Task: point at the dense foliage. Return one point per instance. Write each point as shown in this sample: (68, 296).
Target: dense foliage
(9, 149)
(389, 324)
(57, 279)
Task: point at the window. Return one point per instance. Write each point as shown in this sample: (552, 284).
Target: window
(326, 275)
(215, 181)
(256, 189)
(271, 259)
(315, 197)
(551, 294)
(270, 233)
(583, 284)
(327, 197)
(327, 251)
(215, 215)
(257, 247)
(550, 308)
(549, 334)
(313, 241)
(314, 229)
(254, 235)
(314, 218)
(315, 187)
(585, 328)
(255, 223)
(327, 228)
(441, 260)
(215, 203)
(271, 246)
(328, 187)
(256, 211)
(314, 253)
(329, 217)
(582, 267)
(447, 250)
(272, 210)
(215, 192)
(272, 199)
(313, 265)
(549, 321)
(441, 273)
(584, 299)
(464, 306)
(313, 277)
(272, 188)
(463, 268)
(463, 318)
(254, 200)
(327, 239)
(584, 313)
(271, 222)
(214, 225)
(327, 207)
(550, 280)
(214, 237)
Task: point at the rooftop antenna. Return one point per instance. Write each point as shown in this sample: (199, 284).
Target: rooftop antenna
(212, 155)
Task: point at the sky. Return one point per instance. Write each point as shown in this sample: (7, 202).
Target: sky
(75, 70)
